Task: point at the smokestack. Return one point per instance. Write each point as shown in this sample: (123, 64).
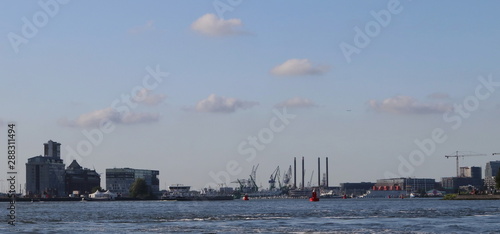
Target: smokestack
(319, 174)
(327, 172)
(294, 172)
(303, 171)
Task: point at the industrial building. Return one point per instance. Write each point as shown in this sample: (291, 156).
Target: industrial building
(415, 185)
(81, 181)
(119, 180)
(45, 174)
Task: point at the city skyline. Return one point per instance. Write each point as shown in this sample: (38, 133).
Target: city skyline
(202, 91)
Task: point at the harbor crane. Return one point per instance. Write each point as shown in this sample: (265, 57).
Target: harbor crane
(459, 154)
(249, 185)
(253, 176)
(287, 176)
(309, 184)
(275, 176)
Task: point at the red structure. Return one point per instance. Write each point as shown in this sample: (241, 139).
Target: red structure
(314, 197)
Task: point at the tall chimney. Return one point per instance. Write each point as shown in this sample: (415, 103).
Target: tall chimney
(326, 172)
(319, 174)
(303, 171)
(294, 172)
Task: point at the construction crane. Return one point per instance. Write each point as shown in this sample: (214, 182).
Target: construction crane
(457, 155)
(275, 176)
(253, 176)
(287, 176)
(309, 184)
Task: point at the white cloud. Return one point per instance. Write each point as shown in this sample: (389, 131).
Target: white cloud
(211, 25)
(298, 67)
(220, 104)
(95, 118)
(408, 105)
(144, 96)
(296, 102)
(149, 26)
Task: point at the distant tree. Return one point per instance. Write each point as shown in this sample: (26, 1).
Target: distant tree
(497, 180)
(139, 189)
(95, 189)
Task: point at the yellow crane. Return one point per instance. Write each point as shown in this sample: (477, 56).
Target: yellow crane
(457, 155)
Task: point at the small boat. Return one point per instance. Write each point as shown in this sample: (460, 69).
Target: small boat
(245, 198)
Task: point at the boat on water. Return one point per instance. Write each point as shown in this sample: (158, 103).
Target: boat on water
(100, 196)
(329, 194)
(180, 192)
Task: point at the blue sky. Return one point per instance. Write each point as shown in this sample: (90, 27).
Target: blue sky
(229, 72)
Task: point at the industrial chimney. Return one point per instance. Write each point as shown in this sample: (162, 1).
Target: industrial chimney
(326, 172)
(294, 172)
(303, 171)
(319, 174)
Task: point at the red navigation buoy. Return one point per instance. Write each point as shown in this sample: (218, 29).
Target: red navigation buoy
(314, 197)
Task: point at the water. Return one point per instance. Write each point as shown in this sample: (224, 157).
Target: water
(269, 216)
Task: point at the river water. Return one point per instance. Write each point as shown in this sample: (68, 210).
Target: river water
(269, 216)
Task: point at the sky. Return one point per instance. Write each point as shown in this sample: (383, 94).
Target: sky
(205, 90)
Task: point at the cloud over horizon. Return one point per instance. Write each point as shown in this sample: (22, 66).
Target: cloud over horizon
(408, 105)
(298, 67)
(211, 25)
(219, 104)
(296, 102)
(95, 118)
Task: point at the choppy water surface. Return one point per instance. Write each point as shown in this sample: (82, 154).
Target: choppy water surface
(274, 215)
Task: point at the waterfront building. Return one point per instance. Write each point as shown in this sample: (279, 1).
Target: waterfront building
(119, 180)
(470, 177)
(490, 171)
(356, 189)
(408, 184)
(45, 174)
(81, 180)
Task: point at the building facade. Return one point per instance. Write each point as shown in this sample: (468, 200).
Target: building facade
(81, 180)
(408, 184)
(470, 177)
(119, 180)
(356, 189)
(490, 171)
(45, 174)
